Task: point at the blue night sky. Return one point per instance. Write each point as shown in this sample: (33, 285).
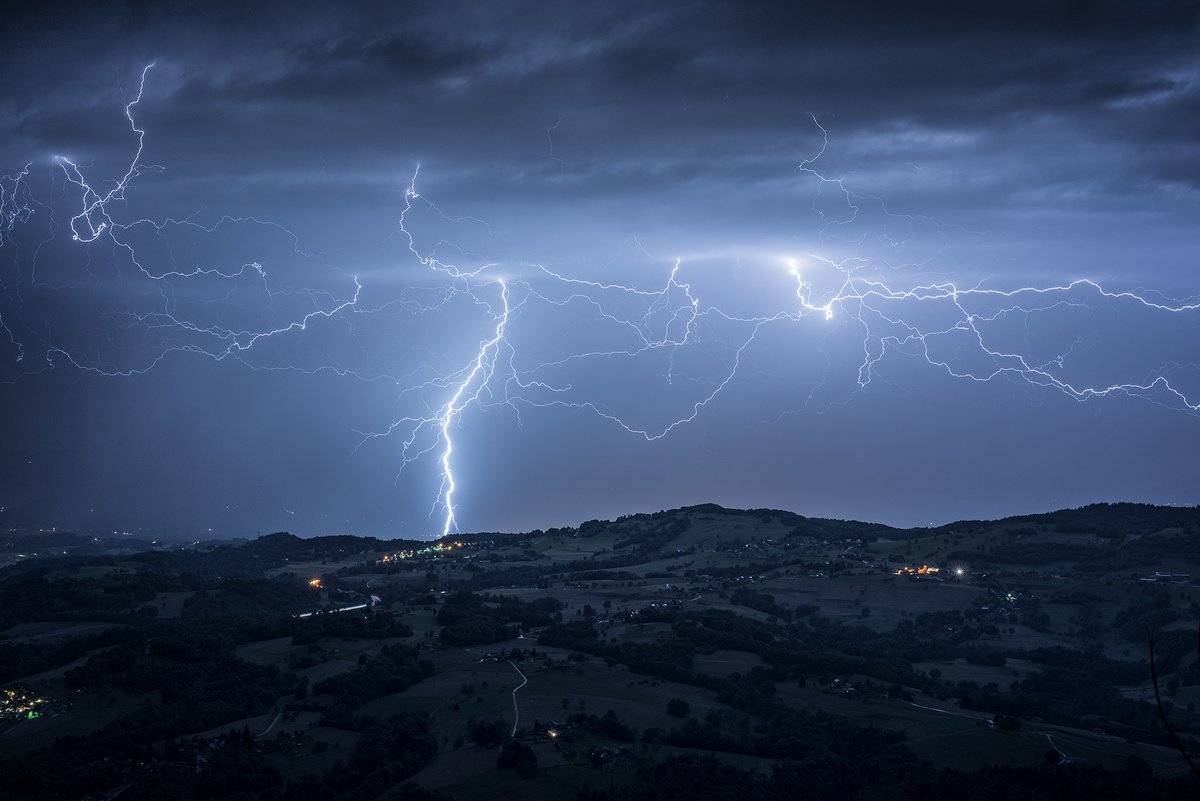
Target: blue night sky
(597, 259)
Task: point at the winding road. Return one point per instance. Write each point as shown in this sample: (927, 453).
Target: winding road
(1063, 757)
(524, 681)
(267, 730)
(516, 710)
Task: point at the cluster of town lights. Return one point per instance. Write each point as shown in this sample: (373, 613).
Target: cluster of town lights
(16, 702)
(923, 570)
(428, 550)
(928, 570)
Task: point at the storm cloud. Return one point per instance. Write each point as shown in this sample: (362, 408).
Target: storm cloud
(1000, 144)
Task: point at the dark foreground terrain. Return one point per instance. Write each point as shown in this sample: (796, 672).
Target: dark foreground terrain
(691, 654)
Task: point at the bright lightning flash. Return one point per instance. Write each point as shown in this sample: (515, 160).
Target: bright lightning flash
(668, 322)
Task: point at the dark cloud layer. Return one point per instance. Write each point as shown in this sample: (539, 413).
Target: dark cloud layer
(686, 81)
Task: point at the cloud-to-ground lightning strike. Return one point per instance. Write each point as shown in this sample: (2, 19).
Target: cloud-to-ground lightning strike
(947, 325)
(476, 377)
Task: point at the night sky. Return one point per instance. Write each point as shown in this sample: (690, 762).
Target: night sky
(205, 365)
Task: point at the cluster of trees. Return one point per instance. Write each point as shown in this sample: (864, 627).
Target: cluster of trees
(1119, 520)
(471, 619)
(18, 659)
(761, 602)
(1146, 614)
(517, 756)
(606, 725)
(787, 733)
(655, 537)
(669, 658)
(257, 598)
(45, 593)
(488, 733)
(394, 669)
(711, 629)
(373, 626)
(1030, 553)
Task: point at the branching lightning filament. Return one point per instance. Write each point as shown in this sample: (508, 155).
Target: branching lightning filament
(249, 316)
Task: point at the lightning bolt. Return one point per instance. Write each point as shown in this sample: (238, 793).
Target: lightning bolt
(478, 377)
(93, 202)
(951, 328)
